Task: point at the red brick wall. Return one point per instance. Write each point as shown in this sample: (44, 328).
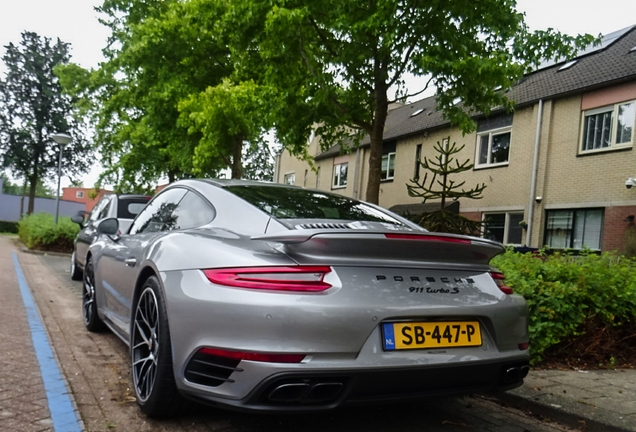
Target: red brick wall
(614, 227)
(70, 194)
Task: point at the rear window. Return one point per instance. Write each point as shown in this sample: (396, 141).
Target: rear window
(293, 203)
(128, 208)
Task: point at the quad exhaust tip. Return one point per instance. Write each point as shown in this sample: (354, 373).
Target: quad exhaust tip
(516, 373)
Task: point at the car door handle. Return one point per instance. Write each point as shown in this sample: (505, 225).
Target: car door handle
(130, 262)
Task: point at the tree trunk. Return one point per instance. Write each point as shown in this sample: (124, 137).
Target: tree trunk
(32, 186)
(377, 139)
(237, 157)
(24, 187)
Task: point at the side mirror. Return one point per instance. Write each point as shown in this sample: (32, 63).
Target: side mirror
(78, 219)
(108, 226)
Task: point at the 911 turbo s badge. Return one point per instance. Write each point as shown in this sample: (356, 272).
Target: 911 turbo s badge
(453, 290)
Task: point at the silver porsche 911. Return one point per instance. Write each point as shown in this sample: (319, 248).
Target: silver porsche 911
(261, 296)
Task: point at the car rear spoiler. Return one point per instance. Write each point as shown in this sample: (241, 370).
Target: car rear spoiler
(379, 248)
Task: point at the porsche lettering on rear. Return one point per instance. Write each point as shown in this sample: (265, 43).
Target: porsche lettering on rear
(429, 279)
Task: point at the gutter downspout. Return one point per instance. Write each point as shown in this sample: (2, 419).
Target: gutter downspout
(277, 166)
(533, 182)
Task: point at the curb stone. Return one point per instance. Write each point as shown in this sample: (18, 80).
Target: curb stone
(575, 414)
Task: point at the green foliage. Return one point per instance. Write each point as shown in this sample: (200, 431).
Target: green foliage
(168, 102)
(565, 293)
(226, 117)
(38, 231)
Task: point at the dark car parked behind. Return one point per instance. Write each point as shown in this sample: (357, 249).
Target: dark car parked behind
(122, 207)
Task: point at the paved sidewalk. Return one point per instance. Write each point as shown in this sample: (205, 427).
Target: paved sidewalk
(33, 394)
(599, 400)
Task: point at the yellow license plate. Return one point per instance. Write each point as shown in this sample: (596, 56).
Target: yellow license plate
(417, 335)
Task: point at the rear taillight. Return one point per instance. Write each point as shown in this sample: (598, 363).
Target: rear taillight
(426, 238)
(293, 278)
(252, 356)
(500, 280)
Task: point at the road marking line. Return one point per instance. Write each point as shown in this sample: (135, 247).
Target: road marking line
(60, 404)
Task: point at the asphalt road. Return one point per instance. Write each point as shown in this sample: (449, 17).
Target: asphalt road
(111, 406)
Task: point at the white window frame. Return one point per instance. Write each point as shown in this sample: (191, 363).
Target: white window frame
(79, 194)
(490, 134)
(390, 158)
(507, 224)
(338, 182)
(290, 178)
(613, 109)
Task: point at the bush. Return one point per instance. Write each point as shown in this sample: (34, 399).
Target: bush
(8, 227)
(571, 295)
(38, 231)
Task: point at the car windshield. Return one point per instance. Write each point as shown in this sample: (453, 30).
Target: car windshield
(296, 203)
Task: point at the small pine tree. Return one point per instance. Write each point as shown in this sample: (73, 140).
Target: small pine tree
(441, 187)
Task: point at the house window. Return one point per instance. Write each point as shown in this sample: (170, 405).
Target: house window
(340, 174)
(290, 178)
(574, 229)
(388, 166)
(493, 147)
(608, 127)
(418, 157)
(318, 178)
(503, 227)
(79, 194)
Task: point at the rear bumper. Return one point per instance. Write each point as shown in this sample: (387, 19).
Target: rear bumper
(317, 391)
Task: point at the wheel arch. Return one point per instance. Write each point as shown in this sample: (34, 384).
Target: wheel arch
(147, 272)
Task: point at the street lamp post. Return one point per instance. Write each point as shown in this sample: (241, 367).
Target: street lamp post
(62, 139)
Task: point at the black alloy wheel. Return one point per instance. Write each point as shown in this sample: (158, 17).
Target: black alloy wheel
(89, 306)
(151, 354)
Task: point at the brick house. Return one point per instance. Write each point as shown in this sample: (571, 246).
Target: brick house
(87, 196)
(558, 164)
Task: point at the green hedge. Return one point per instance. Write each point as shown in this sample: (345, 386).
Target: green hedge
(38, 231)
(566, 294)
(8, 227)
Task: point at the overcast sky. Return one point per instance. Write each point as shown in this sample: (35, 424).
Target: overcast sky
(75, 21)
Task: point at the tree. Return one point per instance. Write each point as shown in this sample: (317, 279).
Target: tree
(32, 108)
(337, 59)
(227, 117)
(160, 54)
(259, 162)
(173, 100)
(440, 187)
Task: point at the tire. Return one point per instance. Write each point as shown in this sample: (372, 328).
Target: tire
(151, 354)
(89, 305)
(76, 272)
